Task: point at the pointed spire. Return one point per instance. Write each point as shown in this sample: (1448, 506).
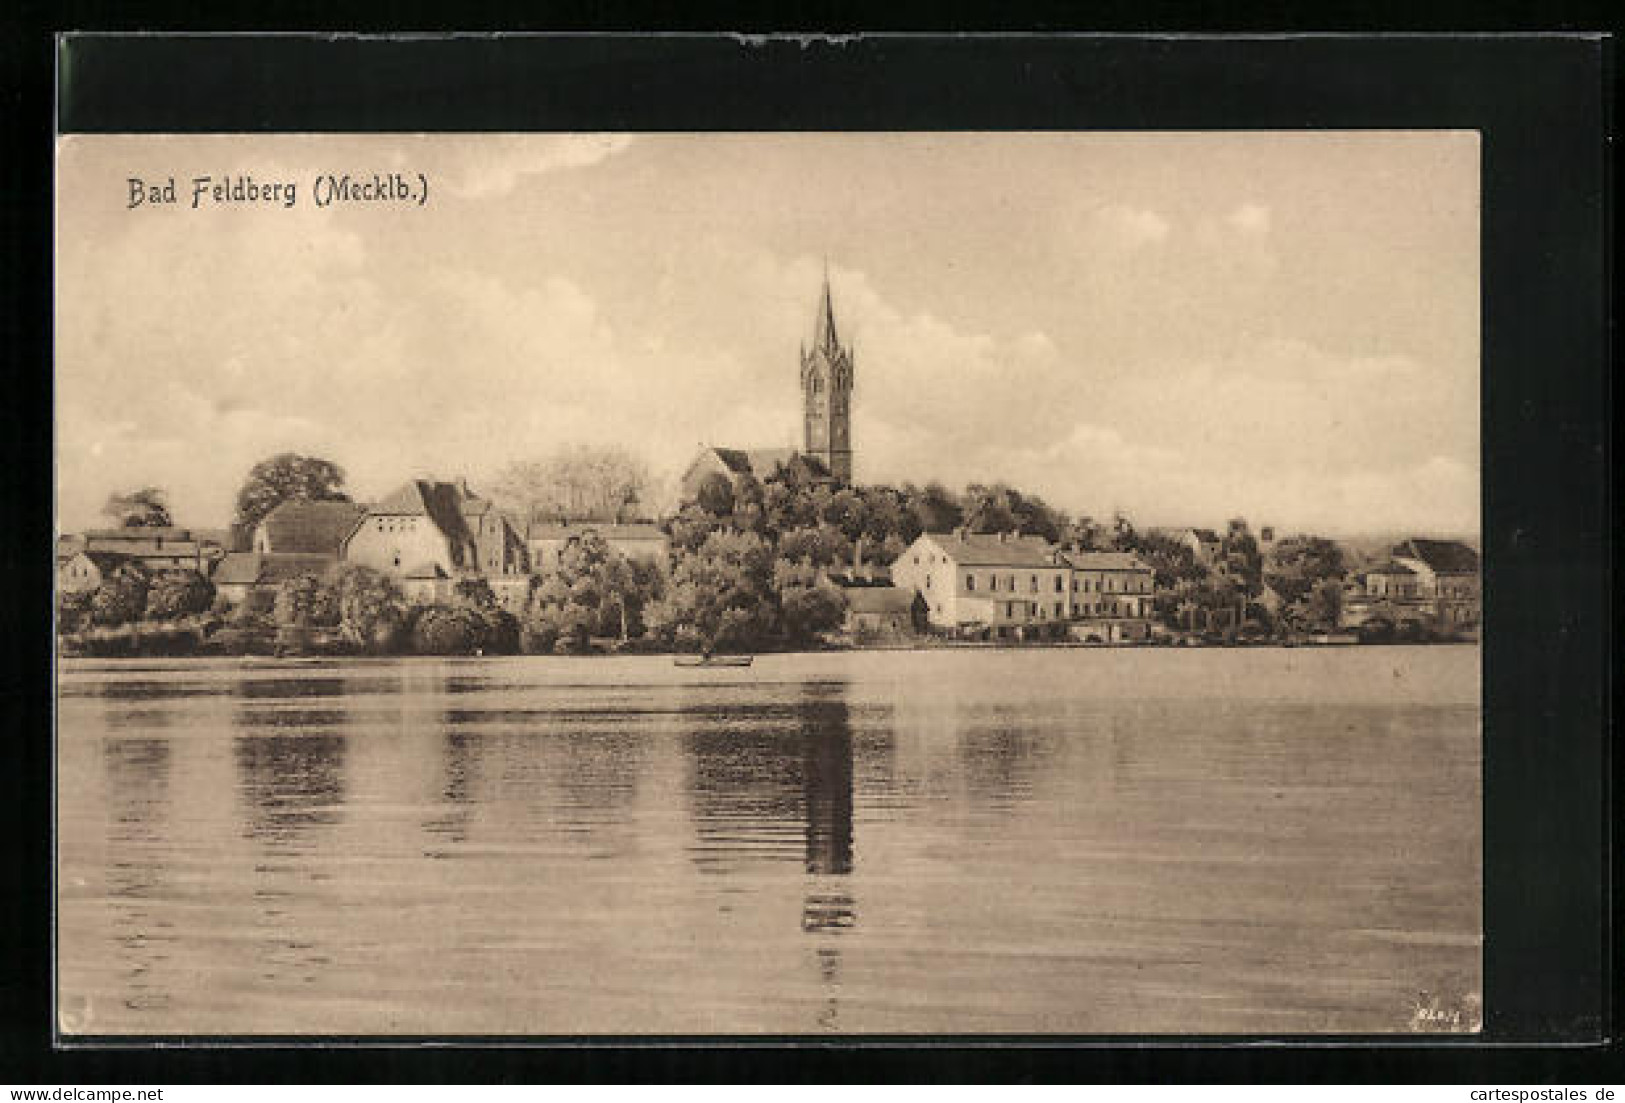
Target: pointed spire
(824, 332)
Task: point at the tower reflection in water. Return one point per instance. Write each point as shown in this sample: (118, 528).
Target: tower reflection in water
(772, 783)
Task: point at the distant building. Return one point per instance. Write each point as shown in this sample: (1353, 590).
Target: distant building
(85, 570)
(1204, 544)
(1111, 595)
(734, 464)
(826, 379)
(243, 576)
(499, 549)
(547, 541)
(307, 527)
(885, 610)
(1447, 578)
(442, 524)
(1002, 584)
(1432, 582)
(1391, 581)
(156, 549)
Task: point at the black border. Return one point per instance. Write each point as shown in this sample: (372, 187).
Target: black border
(1542, 105)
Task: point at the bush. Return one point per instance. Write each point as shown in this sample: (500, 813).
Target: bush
(537, 635)
(242, 641)
(499, 632)
(446, 630)
(121, 598)
(177, 594)
(73, 611)
(306, 602)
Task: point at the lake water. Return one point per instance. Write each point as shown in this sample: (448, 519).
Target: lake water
(965, 841)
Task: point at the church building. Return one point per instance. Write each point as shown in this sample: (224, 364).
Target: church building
(826, 407)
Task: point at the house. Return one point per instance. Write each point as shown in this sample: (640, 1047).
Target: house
(1111, 595)
(85, 570)
(499, 549)
(300, 525)
(760, 464)
(245, 576)
(1391, 581)
(547, 540)
(1204, 544)
(998, 585)
(1448, 579)
(426, 584)
(885, 610)
(155, 548)
(420, 525)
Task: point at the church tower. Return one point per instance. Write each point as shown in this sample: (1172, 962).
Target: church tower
(826, 395)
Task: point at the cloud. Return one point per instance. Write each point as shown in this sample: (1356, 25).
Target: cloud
(493, 169)
(1128, 226)
(1250, 218)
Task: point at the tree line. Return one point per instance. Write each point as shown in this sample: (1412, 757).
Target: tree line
(750, 567)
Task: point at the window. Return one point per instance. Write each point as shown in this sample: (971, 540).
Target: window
(927, 582)
(1074, 583)
(1059, 609)
(1033, 583)
(970, 582)
(1058, 584)
(1010, 583)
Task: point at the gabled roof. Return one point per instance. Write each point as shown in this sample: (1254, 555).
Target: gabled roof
(1391, 567)
(440, 502)
(1440, 556)
(994, 549)
(1106, 561)
(259, 569)
(568, 530)
(163, 547)
(299, 525)
(760, 463)
(140, 532)
(106, 561)
(879, 599)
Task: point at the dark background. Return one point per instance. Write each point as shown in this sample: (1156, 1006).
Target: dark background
(1543, 106)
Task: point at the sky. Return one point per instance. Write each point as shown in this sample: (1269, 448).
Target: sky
(1180, 326)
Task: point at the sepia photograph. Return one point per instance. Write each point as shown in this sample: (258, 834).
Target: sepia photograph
(809, 583)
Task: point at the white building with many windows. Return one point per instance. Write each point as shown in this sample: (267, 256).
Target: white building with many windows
(1010, 586)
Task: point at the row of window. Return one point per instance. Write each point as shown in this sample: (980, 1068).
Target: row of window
(1139, 584)
(1058, 610)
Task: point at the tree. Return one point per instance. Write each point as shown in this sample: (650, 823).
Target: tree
(934, 507)
(305, 601)
(715, 495)
(285, 477)
(144, 508)
(73, 610)
(372, 609)
(446, 630)
(122, 596)
(721, 595)
(595, 591)
(581, 482)
(1295, 565)
(1325, 603)
(174, 594)
(809, 610)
